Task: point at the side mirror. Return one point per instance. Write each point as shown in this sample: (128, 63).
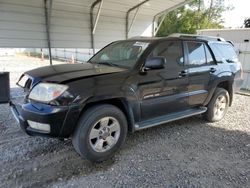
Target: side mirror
(155, 63)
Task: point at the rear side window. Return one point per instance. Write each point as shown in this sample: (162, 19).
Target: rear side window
(196, 54)
(224, 52)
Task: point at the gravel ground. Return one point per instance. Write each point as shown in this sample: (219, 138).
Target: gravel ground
(185, 153)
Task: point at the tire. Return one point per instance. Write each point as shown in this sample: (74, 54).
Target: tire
(100, 132)
(218, 105)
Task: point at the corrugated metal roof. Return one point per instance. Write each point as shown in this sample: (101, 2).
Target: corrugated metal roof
(22, 22)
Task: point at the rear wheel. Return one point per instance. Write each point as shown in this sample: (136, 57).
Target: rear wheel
(218, 106)
(100, 132)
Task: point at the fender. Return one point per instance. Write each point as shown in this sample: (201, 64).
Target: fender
(222, 77)
(126, 101)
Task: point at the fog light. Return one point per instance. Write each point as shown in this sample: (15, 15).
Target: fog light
(39, 126)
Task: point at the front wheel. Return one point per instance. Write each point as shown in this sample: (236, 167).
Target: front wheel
(218, 106)
(100, 132)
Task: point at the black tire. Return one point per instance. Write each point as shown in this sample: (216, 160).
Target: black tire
(210, 115)
(81, 137)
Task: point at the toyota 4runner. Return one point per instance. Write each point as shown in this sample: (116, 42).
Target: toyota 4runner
(129, 85)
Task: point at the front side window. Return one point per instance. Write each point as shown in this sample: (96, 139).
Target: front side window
(196, 54)
(122, 54)
(171, 50)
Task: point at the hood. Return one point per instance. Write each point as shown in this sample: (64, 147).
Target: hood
(67, 72)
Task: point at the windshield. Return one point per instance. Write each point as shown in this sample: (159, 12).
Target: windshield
(121, 54)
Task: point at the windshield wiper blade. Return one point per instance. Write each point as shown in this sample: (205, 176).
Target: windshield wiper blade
(107, 63)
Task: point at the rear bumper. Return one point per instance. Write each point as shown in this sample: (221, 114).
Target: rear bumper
(62, 120)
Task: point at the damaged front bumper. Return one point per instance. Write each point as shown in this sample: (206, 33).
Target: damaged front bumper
(46, 120)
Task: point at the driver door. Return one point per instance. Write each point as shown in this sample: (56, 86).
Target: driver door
(164, 91)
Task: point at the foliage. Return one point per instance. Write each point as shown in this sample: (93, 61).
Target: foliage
(197, 15)
(247, 23)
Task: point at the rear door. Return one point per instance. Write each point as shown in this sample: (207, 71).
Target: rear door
(164, 91)
(201, 68)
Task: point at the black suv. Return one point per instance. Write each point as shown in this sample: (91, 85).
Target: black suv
(129, 85)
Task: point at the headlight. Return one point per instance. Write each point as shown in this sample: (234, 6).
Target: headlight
(46, 92)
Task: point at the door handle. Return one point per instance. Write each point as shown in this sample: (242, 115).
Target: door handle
(183, 73)
(212, 70)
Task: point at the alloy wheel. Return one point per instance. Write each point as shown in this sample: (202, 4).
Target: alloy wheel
(104, 134)
(220, 106)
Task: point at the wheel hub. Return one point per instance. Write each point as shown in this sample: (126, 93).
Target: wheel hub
(104, 134)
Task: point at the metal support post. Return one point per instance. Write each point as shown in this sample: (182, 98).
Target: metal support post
(128, 28)
(47, 12)
(93, 24)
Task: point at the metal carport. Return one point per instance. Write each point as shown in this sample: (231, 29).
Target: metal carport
(89, 24)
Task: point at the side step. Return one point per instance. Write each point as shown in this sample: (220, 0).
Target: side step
(168, 118)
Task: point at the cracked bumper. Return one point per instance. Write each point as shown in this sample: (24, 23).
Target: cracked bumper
(62, 120)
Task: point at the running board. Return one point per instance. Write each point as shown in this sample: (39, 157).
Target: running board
(168, 118)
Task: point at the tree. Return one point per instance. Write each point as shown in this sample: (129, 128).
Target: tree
(195, 16)
(247, 23)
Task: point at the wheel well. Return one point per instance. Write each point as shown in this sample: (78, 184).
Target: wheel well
(119, 103)
(227, 86)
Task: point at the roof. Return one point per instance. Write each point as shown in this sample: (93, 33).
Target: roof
(23, 23)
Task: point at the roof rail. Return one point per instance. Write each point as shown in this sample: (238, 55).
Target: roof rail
(140, 37)
(204, 37)
(231, 42)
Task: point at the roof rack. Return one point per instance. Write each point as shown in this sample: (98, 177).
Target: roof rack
(140, 37)
(231, 42)
(180, 35)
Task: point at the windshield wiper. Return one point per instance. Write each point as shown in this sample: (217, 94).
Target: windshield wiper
(107, 63)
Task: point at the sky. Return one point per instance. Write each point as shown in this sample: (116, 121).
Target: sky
(235, 18)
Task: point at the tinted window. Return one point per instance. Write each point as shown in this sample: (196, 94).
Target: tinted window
(171, 50)
(209, 56)
(196, 53)
(224, 52)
